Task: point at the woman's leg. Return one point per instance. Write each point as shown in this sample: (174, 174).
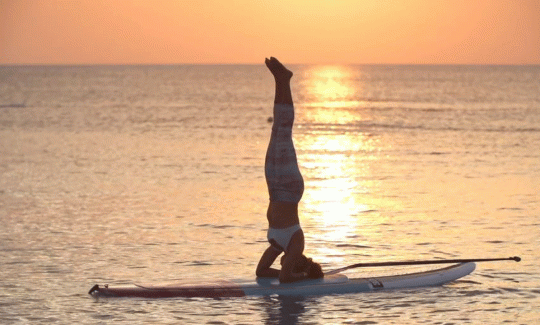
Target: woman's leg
(282, 77)
(285, 182)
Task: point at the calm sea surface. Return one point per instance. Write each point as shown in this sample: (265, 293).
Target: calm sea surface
(155, 173)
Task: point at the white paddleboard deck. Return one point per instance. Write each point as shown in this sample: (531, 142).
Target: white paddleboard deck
(331, 284)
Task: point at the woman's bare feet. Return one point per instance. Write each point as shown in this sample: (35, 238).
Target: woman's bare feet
(278, 69)
(282, 78)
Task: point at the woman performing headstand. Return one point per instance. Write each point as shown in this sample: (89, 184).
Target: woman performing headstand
(285, 186)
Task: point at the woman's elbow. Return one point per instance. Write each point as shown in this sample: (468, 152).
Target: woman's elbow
(285, 279)
(267, 273)
(288, 278)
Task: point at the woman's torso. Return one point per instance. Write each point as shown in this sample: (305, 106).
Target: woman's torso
(282, 214)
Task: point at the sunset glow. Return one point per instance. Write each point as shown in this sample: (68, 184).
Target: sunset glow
(245, 31)
(331, 86)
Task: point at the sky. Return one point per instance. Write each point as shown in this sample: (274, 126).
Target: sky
(247, 31)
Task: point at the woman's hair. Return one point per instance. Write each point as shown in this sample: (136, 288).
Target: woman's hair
(315, 271)
(304, 264)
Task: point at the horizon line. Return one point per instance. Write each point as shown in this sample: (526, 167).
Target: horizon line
(254, 64)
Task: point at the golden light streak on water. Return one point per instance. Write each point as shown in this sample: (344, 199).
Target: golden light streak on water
(331, 200)
(331, 87)
(335, 201)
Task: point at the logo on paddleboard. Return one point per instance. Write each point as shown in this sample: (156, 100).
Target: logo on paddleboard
(376, 284)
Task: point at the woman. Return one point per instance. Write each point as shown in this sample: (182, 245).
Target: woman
(285, 186)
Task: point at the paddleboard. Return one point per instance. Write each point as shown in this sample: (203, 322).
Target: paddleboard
(331, 284)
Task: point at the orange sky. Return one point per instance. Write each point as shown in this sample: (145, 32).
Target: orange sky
(245, 31)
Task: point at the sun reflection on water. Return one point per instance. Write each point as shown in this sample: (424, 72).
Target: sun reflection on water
(335, 186)
(337, 177)
(331, 87)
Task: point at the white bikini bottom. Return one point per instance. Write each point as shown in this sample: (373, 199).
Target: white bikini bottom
(280, 238)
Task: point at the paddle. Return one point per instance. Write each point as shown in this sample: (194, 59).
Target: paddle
(375, 264)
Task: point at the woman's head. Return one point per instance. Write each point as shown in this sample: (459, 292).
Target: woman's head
(304, 264)
(315, 271)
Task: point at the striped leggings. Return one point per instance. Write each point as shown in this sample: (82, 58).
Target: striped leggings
(283, 177)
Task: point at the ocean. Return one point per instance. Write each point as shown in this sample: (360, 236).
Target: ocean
(121, 174)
